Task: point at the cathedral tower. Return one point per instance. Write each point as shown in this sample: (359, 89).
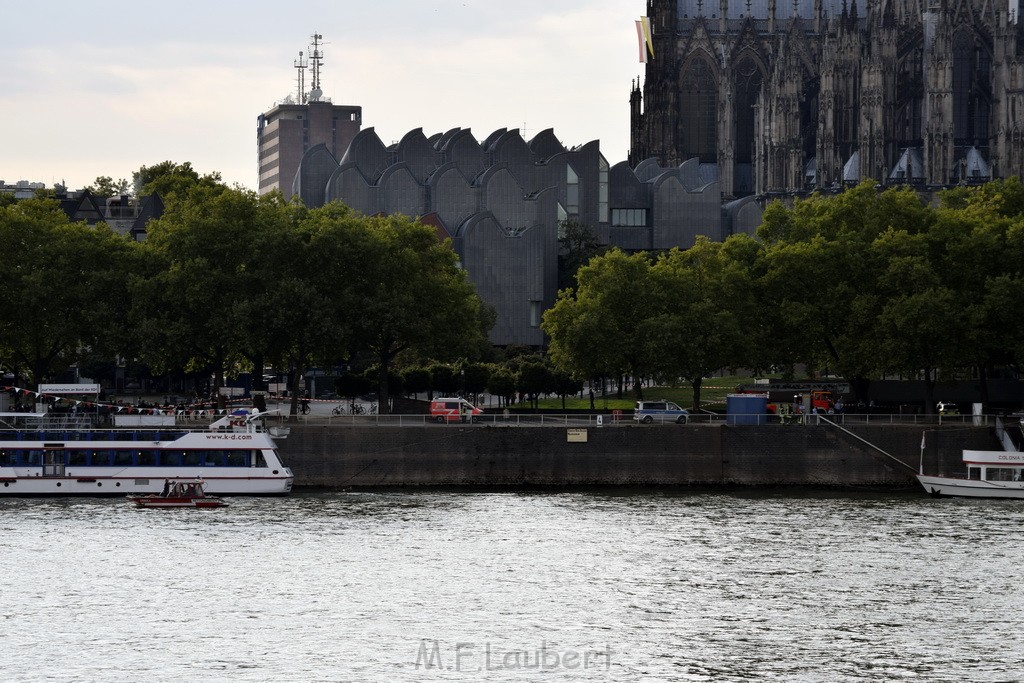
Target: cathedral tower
(786, 97)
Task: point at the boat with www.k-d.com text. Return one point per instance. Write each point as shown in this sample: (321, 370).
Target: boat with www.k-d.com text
(990, 474)
(235, 455)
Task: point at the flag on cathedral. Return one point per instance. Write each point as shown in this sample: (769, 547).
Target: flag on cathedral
(643, 36)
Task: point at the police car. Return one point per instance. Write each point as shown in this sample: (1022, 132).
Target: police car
(659, 411)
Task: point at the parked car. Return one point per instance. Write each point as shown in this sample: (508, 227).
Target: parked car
(453, 409)
(660, 411)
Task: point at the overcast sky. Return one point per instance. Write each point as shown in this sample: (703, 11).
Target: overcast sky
(102, 88)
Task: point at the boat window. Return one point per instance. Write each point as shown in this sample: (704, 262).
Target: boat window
(147, 458)
(32, 458)
(214, 458)
(260, 460)
(170, 459)
(974, 473)
(123, 458)
(192, 458)
(6, 458)
(238, 458)
(77, 457)
(100, 459)
(999, 473)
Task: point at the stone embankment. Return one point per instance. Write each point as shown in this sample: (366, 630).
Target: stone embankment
(658, 455)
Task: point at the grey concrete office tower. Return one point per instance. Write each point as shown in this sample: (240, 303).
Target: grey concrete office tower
(284, 133)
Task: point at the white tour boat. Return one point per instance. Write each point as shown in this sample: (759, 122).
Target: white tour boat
(990, 474)
(234, 456)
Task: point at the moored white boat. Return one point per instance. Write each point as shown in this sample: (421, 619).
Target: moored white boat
(234, 456)
(990, 474)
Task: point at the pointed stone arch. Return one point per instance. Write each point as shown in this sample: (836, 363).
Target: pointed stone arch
(697, 126)
(972, 87)
(910, 90)
(749, 73)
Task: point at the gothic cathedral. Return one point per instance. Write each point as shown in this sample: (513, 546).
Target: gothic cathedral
(784, 97)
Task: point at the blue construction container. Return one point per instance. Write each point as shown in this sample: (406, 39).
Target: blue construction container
(746, 409)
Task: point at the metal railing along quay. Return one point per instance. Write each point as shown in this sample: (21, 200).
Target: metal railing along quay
(595, 420)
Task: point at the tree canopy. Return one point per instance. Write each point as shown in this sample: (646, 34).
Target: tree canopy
(860, 284)
(64, 290)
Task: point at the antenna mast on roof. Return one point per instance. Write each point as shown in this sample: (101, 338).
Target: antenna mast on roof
(300, 67)
(317, 60)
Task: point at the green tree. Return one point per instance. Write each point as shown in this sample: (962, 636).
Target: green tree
(416, 380)
(443, 380)
(577, 244)
(703, 300)
(971, 247)
(412, 297)
(820, 275)
(564, 384)
(921, 332)
(535, 378)
(502, 383)
(474, 377)
(171, 180)
(64, 292)
(600, 328)
(105, 186)
(184, 310)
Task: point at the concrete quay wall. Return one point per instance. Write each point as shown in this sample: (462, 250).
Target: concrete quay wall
(669, 455)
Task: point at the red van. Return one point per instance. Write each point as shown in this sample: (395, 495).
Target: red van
(453, 410)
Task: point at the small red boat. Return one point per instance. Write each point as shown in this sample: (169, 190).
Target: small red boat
(179, 494)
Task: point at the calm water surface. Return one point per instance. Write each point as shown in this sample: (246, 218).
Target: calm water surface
(514, 586)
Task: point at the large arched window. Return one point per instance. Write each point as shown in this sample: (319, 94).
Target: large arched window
(748, 81)
(963, 54)
(910, 99)
(698, 118)
(972, 90)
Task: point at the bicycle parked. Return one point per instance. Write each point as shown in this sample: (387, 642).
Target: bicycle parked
(353, 408)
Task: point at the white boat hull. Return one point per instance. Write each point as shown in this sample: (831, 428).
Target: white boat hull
(971, 488)
(15, 482)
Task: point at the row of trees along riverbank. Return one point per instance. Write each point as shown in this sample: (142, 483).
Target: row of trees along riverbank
(227, 280)
(860, 284)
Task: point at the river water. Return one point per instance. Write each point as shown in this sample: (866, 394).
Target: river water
(430, 586)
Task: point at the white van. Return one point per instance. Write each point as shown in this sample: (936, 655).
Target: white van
(660, 411)
(453, 409)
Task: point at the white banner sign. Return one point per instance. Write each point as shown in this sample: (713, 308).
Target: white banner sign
(69, 388)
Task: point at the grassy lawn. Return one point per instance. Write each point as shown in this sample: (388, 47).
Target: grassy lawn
(712, 394)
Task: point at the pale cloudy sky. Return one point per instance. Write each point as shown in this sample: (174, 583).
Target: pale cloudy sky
(90, 88)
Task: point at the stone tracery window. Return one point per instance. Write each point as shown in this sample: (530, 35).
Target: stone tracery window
(972, 90)
(748, 79)
(698, 119)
